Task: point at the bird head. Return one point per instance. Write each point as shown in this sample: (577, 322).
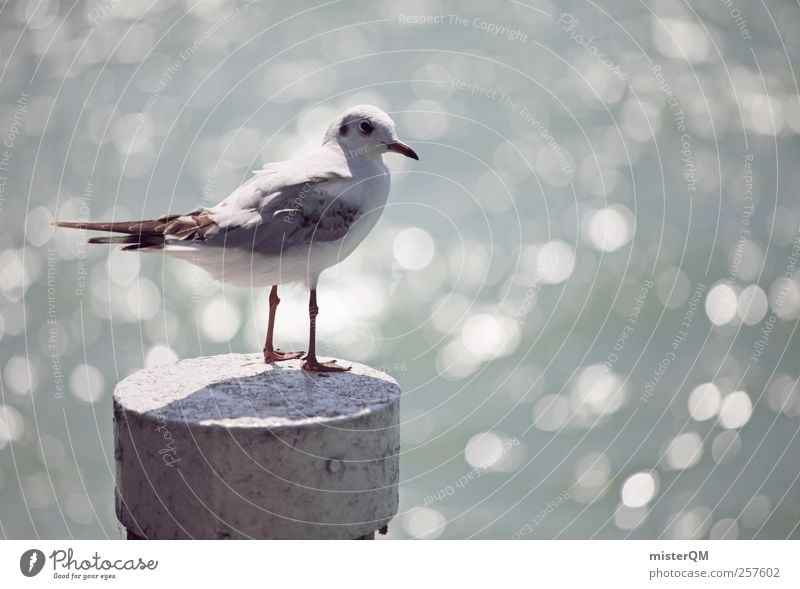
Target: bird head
(366, 130)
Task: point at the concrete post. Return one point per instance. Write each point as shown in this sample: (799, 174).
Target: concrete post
(229, 447)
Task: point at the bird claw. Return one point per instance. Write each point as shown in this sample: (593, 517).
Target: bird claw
(278, 356)
(332, 366)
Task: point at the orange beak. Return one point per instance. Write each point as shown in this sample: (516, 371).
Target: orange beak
(403, 149)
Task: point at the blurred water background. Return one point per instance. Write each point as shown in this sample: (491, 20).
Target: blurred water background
(586, 288)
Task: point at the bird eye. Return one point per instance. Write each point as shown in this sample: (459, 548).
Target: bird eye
(366, 127)
(343, 130)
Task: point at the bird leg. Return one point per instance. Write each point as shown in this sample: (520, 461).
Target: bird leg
(312, 364)
(270, 353)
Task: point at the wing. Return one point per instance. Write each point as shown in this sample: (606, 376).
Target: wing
(291, 202)
(295, 218)
(321, 165)
(318, 219)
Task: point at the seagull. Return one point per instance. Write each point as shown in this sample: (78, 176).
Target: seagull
(288, 223)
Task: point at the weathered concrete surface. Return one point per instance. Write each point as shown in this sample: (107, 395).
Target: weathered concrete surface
(229, 447)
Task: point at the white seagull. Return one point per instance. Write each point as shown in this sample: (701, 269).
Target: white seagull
(288, 223)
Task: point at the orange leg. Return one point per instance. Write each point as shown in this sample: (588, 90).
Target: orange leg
(270, 353)
(312, 364)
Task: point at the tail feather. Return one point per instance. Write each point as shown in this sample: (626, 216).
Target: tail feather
(115, 239)
(130, 242)
(147, 227)
(138, 234)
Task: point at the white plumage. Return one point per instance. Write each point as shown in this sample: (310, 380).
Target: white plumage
(288, 223)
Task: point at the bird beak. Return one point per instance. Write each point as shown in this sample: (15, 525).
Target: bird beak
(403, 149)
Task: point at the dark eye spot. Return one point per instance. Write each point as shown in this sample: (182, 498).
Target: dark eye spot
(366, 127)
(343, 130)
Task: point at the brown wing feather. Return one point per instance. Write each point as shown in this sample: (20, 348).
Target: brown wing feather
(149, 227)
(151, 232)
(197, 225)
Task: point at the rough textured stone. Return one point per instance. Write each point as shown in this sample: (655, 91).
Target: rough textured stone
(230, 447)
